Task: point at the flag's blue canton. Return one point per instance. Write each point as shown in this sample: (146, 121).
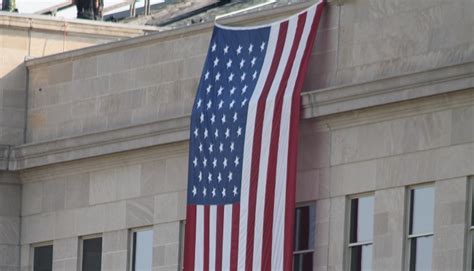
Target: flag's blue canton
(219, 115)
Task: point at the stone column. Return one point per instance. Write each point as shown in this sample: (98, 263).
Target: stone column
(389, 228)
(450, 222)
(10, 199)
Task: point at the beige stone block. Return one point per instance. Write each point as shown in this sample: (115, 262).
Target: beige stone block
(114, 261)
(114, 241)
(448, 260)
(60, 72)
(38, 228)
(90, 220)
(353, 178)
(54, 192)
(162, 51)
(65, 265)
(312, 184)
(57, 114)
(389, 228)
(114, 215)
(152, 173)
(166, 233)
(13, 99)
(122, 102)
(128, 181)
(84, 68)
(66, 223)
(336, 234)
(193, 45)
(391, 137)
(77, 190)
(462, 125)
(103, 186)
(111, 63)
(9, 257)
(170, 207)
(25, 251)
(166, 256)
(10, 200)
(313, 148)
(423, 166)
(32, 197)
(136, 57)
(193, 67)
(9, 230)
(120, 81)
(176, 175)
(139, 212)
(85, 108)
(67, 248)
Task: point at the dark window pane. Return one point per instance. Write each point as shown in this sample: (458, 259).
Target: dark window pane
(303, 262)
(362, 219)
(91, 254)
(421, 253)
(361, 258)
(142, 250)
(43, 258)
(422, 208)
(304, 228)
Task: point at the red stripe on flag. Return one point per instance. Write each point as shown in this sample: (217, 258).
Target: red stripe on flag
(234, 245)
(219, 232)
(273, 155)
(206, 237)
(190, 237)
(257, 144)
(293, 146)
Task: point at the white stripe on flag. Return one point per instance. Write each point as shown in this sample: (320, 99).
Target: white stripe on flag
(212, 236)
(282, 162)
(227, 232)
(248, 146)
(199, 250)
(266, 139)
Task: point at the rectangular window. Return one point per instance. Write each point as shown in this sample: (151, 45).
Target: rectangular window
(361, 233)
(420, 235)
(91, 254)
(304, 239)
(142, 249)
(43, 258)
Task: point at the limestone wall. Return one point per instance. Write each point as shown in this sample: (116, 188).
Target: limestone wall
(153, 78)
(382, 147)
(26, 37)
(107, 195)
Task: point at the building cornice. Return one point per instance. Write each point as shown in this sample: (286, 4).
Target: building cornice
(410, 86)
(316, 104)
(72, 26)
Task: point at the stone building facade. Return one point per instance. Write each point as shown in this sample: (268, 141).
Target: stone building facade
(96, 143)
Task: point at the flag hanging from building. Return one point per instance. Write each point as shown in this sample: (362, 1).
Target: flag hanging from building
(243, 141)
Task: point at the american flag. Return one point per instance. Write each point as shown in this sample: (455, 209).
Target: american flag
(243, 140)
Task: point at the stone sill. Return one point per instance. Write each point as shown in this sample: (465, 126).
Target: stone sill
(315, 104)
(49, 23)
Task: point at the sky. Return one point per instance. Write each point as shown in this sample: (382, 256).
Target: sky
(31, 6)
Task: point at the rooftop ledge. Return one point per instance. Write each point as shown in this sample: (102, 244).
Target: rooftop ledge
(49, 23)
(250, 18)
(315, 104)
